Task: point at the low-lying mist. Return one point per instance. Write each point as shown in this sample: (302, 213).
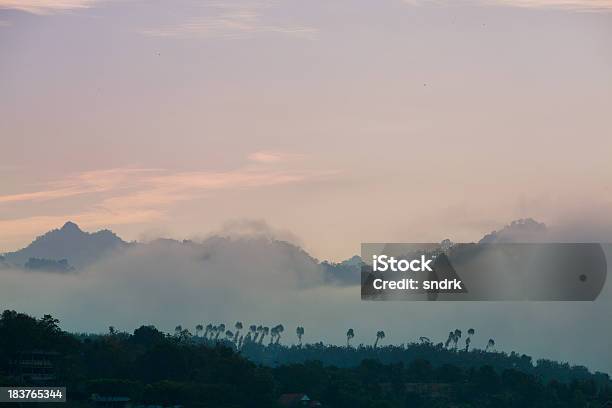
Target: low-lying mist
(258, 280)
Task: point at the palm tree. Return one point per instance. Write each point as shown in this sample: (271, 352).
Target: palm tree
(238, 327)
(208, 330)
(252, 330)
(490, 344)
(251, 334)
(350, 333)
(220, 329)
(468, 339)
(451, 336)
(299, 331)
(379, 336)
(264, 332)
(183, 335)
(258, 332)
(467, 343)
(456, 337)
(199, 329)
(178, 329)
(279, 329)
(273, 333)
(424, 340)
(229, 335)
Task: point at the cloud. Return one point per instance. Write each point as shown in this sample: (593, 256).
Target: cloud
(140, 195)
(272, 157)
(239, 228)
(570, 5)
(83, 183)
(156, 186)
(255, 282)
(42, 7)
(236, 21)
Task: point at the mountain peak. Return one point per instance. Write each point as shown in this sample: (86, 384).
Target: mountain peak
(70, 243)
(523, 230)
(70, 226)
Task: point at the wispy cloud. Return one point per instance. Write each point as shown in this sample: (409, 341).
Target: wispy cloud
(45, 6)
(141, 195)
(235, 20)
(570, 5)
(83, 183)
(265, 156)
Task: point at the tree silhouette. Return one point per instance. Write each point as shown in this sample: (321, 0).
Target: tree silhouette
(350, 333)
(177, 330)
(183, 335)
(263, 333)
(451, 336)
(199, 329)
(490, 344)
(238, 327)
(273, 333)
(468, 339)
(299, 331)
(456, 337)
(252, 332)
(279, 329)
(220, 329)
(379, 336)
(208, 330)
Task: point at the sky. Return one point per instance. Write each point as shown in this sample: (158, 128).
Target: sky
(340, 122)
(327, 123)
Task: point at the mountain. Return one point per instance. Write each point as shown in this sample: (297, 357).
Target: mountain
(523, 230)
(65, 248)
(69, 248)
(347, 272)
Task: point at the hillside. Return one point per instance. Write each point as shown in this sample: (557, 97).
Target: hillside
(70, 243)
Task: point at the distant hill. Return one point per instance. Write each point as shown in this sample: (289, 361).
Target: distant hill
(523, 230)
(347, 272)
(77, 247)
(70, 249)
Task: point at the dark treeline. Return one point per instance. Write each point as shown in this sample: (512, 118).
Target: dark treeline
(262, 345)
(152, 367)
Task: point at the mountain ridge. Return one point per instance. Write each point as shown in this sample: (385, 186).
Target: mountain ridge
(69, 243)
(69, 248)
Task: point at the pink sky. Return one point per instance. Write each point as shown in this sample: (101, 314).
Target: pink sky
(341, 122)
